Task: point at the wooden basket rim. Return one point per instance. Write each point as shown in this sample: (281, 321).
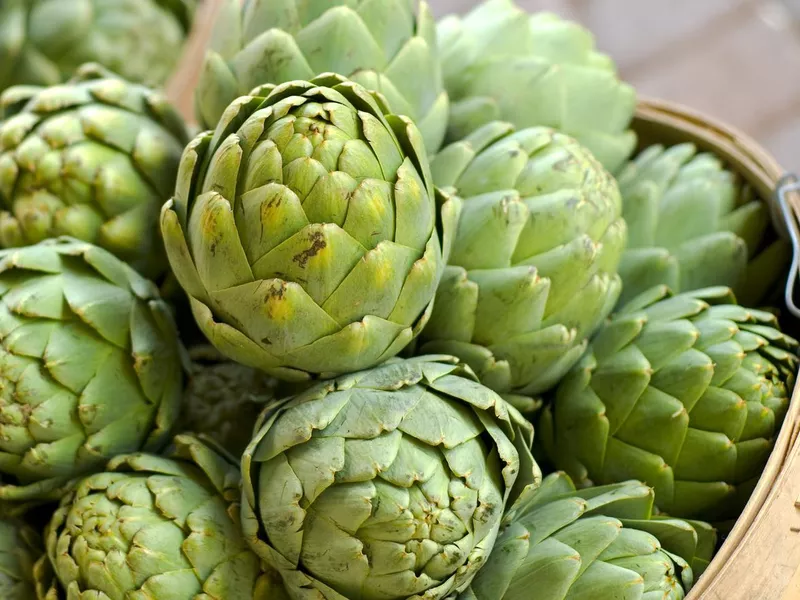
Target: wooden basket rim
(761, 170)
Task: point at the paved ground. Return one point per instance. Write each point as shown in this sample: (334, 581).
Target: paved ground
(736, 59)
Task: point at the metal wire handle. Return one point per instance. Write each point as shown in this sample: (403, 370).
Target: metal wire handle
(790, 183)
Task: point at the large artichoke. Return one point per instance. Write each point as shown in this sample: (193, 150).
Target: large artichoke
(693, 224)
(223, 399)
(684, 393)
(95, 159)
(532, 272)
(43, 41)
(385, 45)
(306, 232)
(499, 62)
(89, 366)
(157, 528)
(598, 543)
(20, 548)
(385, 484)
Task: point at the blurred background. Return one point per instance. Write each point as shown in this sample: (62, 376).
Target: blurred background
(737, 60)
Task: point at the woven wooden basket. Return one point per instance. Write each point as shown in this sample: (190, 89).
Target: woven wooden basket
(760, 560)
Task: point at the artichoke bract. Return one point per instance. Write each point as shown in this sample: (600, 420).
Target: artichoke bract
(90, 366)
(501, 63)
(532, 272)
(386, 45)
(43, 41)
(306, 232)
(95, 159)
(157, 527)
(223, 399)
(693, 224)
(385, 484)
(558, 543)
(686, 393)
(20, 548)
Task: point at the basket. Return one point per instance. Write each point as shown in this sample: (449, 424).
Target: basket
(760, 559)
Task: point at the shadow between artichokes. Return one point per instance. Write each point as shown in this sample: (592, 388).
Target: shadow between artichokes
(533, 269)
(685, 393)
(155, 527)
(90, 366)
(306, 231)
(385, 484)
(20, 548)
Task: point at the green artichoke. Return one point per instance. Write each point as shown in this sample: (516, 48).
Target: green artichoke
(306, 232)
(532, 272)
(385, 484)
(223, 399)
(90, 366)
(385, 45)
(604, 542)
(20, 547)
(157, 528)
(500, 63)
(686, 393)
(693, 224)
(42, 42)
(94, 159)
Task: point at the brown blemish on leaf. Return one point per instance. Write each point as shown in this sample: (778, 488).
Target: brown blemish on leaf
(318, 244)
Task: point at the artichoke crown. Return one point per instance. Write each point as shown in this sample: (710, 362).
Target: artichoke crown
(685, 393)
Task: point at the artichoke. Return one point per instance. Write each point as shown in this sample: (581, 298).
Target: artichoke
(603, 542)
(686, 393)
(90, 366)
(500, 63)
(693, 224)
(93, 159)
(306, 232)
(20, 547)
(532, 271)
(42, 42)
(223, 399)
(386, 45)
(388, 483)
(154, 527)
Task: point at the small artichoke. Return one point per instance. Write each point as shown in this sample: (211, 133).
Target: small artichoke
(90, 366)
(693, 224)
(388, 483)
(158, 528)
(532, 271)
(94, 159)
(20, 548)
(223, 399)
(42, 42)
(558, 543)
(500, 63)
(306, 232)
(385, 45)
(686, 393)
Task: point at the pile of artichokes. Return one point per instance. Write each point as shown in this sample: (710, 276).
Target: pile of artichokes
(303, 356)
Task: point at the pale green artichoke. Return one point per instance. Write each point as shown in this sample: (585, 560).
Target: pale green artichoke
(95, 159)
(160, 528)
(389, 483)
(20, 548)
(42, 42)
(386, 45)
(306, 232)
(593, 544)
(693, 224)
(533, 268)
(223, 399)
(685, 393)
(89, 366)
(500, 63)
